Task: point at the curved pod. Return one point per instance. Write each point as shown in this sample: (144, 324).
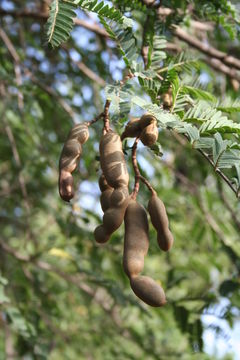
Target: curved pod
(132, 129)
(148, 290)
(149, 134)
(69, 158)
(160, 222)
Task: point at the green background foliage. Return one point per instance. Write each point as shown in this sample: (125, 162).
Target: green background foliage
(61, 295)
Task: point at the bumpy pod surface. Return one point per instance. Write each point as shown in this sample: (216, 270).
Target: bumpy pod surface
(79, 132)
(112, 160)
(148, 290)
(105, 199)
(106, 193)
(136, 240)
(132, 129)
(114, 215)
(69, 158)
(149, 135)
(159, 220)
(102, 182)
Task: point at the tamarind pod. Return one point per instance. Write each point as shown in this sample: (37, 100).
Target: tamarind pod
(69, 157)
(119, 196)
(146, 120)
(79, 132)
(149, 135)
(136, 240)
(160, 222)
(148, 290)
(102, 182)
(100, 234)
(71, 152)
(132, 129)
(112, 220)
(112, 160)
(113, 217)
(105, 199)
(65, 185)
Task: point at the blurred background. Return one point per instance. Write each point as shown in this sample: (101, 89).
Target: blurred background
(62, 296)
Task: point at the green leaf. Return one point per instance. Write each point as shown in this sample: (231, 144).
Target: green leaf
(198, 93)
(60, 21)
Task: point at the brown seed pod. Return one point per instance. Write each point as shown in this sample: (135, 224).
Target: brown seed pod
(79, 132)
(69, 158)
(119, 196)
(112, 160)
(149, 135)
(105, 199)
(136, 241)
(100, 234)
(135, 126)
(148, 290)
(106, 192)
(132, 129)
(159, 220)
(102, 182)
(146, 120)
(113, 217)
(114, 214)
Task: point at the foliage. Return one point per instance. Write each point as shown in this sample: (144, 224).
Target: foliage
(61, 295)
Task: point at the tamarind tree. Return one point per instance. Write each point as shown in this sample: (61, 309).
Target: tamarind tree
(156, 83)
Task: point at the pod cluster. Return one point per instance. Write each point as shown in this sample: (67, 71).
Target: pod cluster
(145, 127)
(118, 205)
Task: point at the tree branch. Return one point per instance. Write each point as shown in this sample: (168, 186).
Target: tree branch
(85, 69)
(220, 66)
(17, 68)
(25, 13)
(206, 48)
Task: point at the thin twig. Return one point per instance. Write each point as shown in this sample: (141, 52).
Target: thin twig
(138, 176)
(52, 93)
(129, 75)
(219, 172)
(17, 68)
(85, 69)
(136, 169)
(89, 73)
(106, 127)
(98, 117)
(207, 157)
